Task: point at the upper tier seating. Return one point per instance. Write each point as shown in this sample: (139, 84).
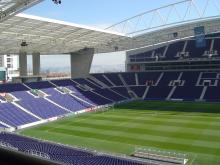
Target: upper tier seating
(129, 78)
(87, 96)
(146, 56)
(174, 49)
(139, 90)
(187, 93)
(94, 82)
(144, 77)
(160, 51)
(122, 91)
(110, 95)
(184, 49)
(65, 100)
(69, 84)
(158, 93)
(114, 78)
(7, 88)
(190, 80)
(86, 83)
(97, 99)
(40, 85)
(216, 45)
(212, 94)
(102, 79)
(168, 77)
(195, 52)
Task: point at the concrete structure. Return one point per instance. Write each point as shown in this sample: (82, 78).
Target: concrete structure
(43, 36)
(9, 8)
(81, 62)
(50, 37)
(36, 63)
(23, 63)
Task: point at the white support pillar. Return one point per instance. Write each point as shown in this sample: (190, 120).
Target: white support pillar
(36, 63)
(23, 63)
(81, 62)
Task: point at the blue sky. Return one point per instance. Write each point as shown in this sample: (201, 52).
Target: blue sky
(97, 13)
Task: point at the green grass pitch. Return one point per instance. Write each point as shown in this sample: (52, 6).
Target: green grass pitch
(191, 128)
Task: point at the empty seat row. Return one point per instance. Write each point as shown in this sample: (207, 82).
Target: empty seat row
(62, 154)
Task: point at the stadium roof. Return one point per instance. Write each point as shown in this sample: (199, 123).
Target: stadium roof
(50, 36)
(9, 8)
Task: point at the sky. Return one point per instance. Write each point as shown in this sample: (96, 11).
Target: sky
(101, 13)
(97, 13)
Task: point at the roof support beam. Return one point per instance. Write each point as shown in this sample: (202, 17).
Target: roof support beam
(81, 62)
(36, 63)
(23, 63)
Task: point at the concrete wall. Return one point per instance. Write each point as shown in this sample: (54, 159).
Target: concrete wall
(23, 63)
(81, 62)
(36, 63)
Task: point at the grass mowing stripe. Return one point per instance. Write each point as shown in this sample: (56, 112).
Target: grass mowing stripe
(139, 130)
(167, 114)
(174, 106)
(172, 118)
(155, 121)
(150, 127)
(150, 123)
(134, 141)
(177, 141)
(156, 118)
(157, 126)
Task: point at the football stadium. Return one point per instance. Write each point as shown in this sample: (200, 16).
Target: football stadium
(164, 109)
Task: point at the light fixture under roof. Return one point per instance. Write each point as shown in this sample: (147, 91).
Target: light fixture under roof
(57, 1)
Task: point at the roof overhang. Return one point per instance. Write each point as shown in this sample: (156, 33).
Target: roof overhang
(49, 36)
(9, 8)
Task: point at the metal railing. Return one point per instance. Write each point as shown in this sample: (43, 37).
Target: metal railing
(38, 154)
(7, 145)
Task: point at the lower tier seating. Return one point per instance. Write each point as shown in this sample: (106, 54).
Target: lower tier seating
(104, 89)
(13, 116)
(61, 154)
